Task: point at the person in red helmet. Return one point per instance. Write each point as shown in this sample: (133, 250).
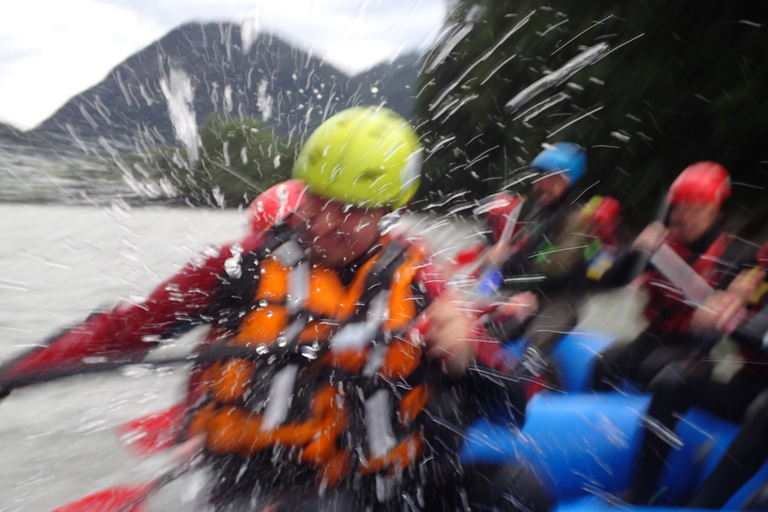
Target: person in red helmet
(724, 374)
(693, 237)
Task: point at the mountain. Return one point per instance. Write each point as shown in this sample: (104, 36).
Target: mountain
(268, 78)
(9, 134)
(394, 83)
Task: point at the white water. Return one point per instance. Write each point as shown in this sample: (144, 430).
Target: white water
(58, 263)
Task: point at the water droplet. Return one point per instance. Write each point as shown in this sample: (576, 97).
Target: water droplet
(309, 351)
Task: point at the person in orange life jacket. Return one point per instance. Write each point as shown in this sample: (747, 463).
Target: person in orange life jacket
(371, 311)
(694, 200)
(344, 237)
(739, 395)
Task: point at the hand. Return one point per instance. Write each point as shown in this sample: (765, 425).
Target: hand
(186, 452)
(448, 335)
(746, 283)
(711, 319)
(650, 238)
(518, 307)
(497, 254)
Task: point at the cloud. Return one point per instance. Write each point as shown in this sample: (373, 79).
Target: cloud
(54, 55)
(52, 50)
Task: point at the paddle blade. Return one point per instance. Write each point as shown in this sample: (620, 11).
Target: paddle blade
(122, 498)
(153, 433)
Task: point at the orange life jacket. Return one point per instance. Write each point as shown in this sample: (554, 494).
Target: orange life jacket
(358, 364)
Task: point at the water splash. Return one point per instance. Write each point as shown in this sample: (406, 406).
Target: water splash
(264, 100)
(179, 94)
(576, 64)
(249, 30)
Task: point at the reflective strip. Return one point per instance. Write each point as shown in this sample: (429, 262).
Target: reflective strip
(289, 253)
(375, 360)
(298, 286)
(280, 397)
(378, 422)
(292, 332)
(356, 335)
(694, 287)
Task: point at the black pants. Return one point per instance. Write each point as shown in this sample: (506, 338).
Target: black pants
(639, 360)
(678, 387)
(480, 488)
(744, 457)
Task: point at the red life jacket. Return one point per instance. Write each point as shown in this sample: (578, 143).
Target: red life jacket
(667, 309)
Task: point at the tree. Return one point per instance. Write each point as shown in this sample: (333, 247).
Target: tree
(239, 159)
(680, 83)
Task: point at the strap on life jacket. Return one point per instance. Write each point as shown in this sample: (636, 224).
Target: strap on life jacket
(670, 309)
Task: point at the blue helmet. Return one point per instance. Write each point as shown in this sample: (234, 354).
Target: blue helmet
(563, 157)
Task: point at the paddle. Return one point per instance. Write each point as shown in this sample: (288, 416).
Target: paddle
(153, 433)
(505, 238)
(122, 498)
(131, 497)
(743, 327)
(207, 353)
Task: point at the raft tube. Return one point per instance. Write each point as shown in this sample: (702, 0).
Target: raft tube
(584, 445)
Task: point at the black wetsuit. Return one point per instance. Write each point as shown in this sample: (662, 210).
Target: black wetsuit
(664, 341)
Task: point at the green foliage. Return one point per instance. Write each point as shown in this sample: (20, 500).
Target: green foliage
(682, 83)
(238, 159)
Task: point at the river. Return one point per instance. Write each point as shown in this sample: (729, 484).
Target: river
(57, 264)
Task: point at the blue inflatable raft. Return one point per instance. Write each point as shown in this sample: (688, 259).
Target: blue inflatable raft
(585, 445)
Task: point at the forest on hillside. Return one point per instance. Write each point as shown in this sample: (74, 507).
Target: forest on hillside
(674, 83)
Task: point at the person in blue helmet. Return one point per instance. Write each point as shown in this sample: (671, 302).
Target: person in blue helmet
(559, 166)
(549, 250)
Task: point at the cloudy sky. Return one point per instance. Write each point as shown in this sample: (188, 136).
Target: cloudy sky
(51, 50)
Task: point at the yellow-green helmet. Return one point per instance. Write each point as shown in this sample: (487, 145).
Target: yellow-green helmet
(367, 156)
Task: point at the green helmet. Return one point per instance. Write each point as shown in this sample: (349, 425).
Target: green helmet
(368, 156)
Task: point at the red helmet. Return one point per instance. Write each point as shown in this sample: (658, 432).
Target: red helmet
(274, 204)
(701, 183)
(497, 209)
